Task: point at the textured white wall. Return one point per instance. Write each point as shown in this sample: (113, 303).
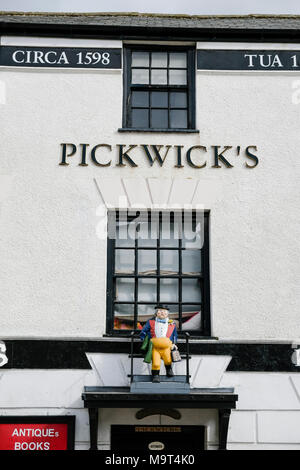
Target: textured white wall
(53, 265)
(254, 230)
(267, 414)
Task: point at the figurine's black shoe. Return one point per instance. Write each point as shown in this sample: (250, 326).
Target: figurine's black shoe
(155, 376)
(169, 371)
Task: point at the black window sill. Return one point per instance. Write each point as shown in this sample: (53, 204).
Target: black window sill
(127, 337)
(182, 131)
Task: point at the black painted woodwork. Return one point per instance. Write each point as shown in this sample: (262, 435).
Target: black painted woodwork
(64, 354)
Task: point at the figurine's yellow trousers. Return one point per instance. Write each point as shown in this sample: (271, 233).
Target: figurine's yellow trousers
(161, 350)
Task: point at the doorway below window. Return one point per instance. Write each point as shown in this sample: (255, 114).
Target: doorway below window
(158, 438)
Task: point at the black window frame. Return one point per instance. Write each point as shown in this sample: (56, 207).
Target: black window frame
(205, 331)
(128, 87)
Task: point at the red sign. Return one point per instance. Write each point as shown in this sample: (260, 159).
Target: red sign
(34, 436)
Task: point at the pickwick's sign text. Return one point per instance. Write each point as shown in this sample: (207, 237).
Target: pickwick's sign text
(120, 155)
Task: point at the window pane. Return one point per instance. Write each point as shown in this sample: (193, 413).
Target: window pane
(140, 59)
(124, 317)
(170, 230)
(169, 261)
(168, 290)
(140, 118)
(191, 290)
(159, 59)
(147, 290)
(174, 313)
(140, 76)
(145, 312)
(124, 262)
(159, 99)
(159, 118)
(178, 100)
(191, 317)
(148, 233)
(147, 262)
(159, 77)
(177, 77)
(125, 289)
(191, 261)
(123, 238)
(177, 60)
(192, 235)
(140, 99)
(178, 119)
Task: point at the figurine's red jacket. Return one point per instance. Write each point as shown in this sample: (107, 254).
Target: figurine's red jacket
(149, 329)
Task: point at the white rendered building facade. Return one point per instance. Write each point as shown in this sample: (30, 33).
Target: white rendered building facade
(172, 115)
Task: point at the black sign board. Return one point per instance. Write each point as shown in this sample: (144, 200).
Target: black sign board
(248, 60)
(162, 438)
(62, 57)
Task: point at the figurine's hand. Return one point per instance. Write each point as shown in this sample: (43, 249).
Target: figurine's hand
(173, 347)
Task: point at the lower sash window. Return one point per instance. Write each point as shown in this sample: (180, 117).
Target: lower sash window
(158, 257)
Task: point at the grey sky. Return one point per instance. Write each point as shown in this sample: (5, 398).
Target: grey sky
(200, 7)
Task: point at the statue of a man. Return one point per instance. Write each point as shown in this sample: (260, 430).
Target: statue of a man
(163, 335)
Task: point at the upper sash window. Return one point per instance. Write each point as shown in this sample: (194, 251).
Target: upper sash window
(159, 89)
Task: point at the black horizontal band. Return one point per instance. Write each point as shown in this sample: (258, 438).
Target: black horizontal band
(63, 354)
(136, 129)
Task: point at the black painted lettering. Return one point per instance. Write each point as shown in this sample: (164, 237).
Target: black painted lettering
(251, 156)
(157, 155)
(65, 154)
(123, 154)
(83, 155)
(219, 156)
(178, 156)
(189, 159)
(93, 154)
